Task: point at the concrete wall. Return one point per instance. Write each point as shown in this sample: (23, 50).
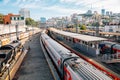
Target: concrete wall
(10, 28)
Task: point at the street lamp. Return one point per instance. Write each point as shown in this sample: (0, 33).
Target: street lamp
(65, 61)
(8, 65)
(16, 26)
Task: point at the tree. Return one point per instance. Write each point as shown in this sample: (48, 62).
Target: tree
(82, 27)
(30, 21)
(1, 18)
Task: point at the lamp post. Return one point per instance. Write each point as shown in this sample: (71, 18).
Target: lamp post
(8, 65)
(64, 62)
(16, 26)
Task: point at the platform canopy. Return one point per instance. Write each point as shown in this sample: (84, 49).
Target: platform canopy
(82, 37)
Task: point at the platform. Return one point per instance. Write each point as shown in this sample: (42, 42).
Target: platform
(34, 66)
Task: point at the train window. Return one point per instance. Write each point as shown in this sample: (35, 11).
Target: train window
(91, 44)
(86, 43)
(65, 65)
(2, 55)
(15, 41)
(83, 42)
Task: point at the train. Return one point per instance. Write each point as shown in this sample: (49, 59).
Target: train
(89, 45)
(8, 53)
(110, 48)
(69, 65)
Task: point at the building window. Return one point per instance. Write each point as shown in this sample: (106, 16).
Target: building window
(18, 18)
(22, 18)
(14, 18)
(10, 18)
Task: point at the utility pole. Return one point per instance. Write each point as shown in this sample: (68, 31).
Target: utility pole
(17, 35)
(97, 23)
(76, 24)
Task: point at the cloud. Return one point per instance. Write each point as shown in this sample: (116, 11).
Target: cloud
(27, 3)
(6, 1)
(112, 5)
(63, 7)
(63, 10)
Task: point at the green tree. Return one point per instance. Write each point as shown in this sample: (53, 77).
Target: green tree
(1, 18)
(83, 27)
(29, 21)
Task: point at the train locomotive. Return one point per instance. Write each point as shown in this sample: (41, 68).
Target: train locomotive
(69, 65)
(8, 53)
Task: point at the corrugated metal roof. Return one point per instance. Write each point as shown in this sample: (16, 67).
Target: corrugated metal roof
(78, 36)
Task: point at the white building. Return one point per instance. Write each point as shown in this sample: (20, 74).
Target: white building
(111, 28)
(25, 13)
(17, 19)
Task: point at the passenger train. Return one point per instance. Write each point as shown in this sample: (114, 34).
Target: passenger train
(89, 45)
(8, 53)
(69, 65)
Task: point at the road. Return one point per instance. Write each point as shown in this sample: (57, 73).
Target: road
(34, 66)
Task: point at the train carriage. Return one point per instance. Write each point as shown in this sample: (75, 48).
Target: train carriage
(8, 53)
(85, 43)
(89, 45)
(73, 69)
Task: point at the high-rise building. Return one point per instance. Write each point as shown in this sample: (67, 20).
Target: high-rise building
(25, 13)
(103, 12)
(111, 13)
(89, 12)
(43, 20)
(107, 13)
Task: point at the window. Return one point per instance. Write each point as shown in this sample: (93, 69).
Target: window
(14, 18)
(22, 18)
(18, 18)
(10, 18)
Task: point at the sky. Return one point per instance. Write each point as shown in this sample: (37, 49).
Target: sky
(57, 8)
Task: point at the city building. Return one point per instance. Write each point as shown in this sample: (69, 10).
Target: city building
(89, 12)
(103, 12)
(107, 13)
(25, 13)
(14, 19)
(42, 22)
(111, 28)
